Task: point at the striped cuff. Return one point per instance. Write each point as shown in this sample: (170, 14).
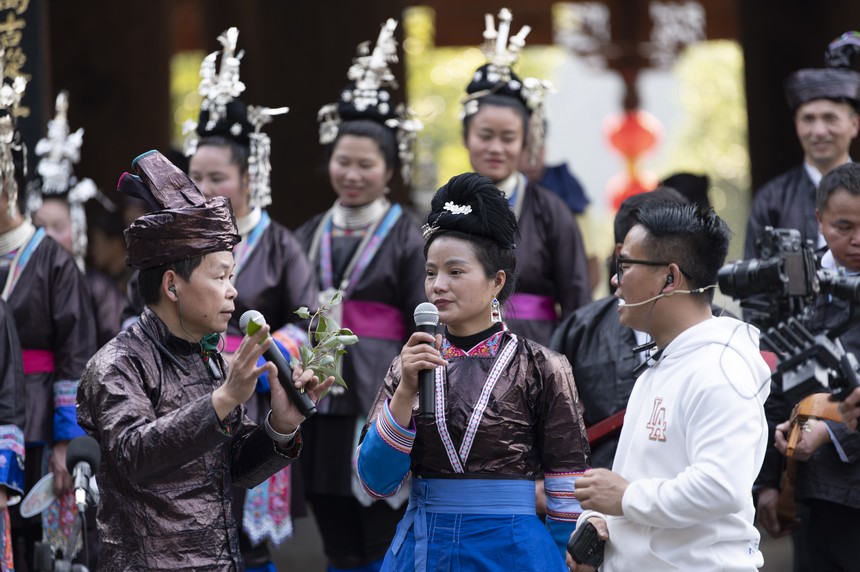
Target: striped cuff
(12, 458)
(65, 416)
(383, 456)
(392, 433)
(561, 502)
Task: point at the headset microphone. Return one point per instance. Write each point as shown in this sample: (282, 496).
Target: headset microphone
(666, 295)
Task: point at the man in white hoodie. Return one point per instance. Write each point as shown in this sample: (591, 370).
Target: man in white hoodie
(694, 436)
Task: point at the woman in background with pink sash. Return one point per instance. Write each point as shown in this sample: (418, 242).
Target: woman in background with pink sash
(499, 111)
(370, 249)
(229, 156)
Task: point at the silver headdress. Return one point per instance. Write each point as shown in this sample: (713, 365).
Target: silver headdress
(58, 153)
(220, 88)
(223, 113)
(10, 140)
(368, 96)
(496, 76)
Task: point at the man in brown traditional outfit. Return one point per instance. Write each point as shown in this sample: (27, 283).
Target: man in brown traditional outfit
(168, 415)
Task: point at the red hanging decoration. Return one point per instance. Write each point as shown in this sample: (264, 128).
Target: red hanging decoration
(632, 133)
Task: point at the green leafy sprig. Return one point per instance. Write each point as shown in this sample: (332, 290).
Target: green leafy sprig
(328, 341)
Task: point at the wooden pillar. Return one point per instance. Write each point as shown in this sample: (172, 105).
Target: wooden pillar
(113, 58)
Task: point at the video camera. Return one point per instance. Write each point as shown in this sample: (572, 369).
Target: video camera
(781, 289)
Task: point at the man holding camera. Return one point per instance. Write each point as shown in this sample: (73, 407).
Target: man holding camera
(694, 433)
(825, 103)
(827, 452)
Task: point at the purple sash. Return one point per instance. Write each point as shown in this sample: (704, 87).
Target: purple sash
(523, 306)
(374, 320)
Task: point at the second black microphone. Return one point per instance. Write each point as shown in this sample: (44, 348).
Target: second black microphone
(426, 319)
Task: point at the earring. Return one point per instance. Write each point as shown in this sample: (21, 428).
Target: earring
(495, 311)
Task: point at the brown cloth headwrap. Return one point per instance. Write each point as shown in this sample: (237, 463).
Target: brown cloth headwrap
(184, 224)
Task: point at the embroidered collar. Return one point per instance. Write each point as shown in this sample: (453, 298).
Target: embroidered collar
(487, 348)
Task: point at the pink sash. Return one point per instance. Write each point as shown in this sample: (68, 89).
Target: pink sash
(37, 361)
(522, 306)
(231, 343)
(374, 320)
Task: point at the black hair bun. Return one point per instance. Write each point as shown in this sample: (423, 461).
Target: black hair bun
(234, 124)
(471, 204)
(493, 80)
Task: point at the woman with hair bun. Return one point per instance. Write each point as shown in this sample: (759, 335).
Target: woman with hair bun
(506, 409)
(369, 248)
(500, 113)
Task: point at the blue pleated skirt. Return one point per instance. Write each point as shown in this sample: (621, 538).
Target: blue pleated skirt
(472, 525)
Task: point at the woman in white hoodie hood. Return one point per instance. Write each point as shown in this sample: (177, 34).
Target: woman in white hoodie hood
(694, 436)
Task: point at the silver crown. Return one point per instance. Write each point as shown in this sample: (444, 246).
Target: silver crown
(373, 78)
(502, 51)
(219, 89)
(58, 153)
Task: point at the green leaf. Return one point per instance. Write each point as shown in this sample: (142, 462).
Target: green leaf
(294, 361)
(336, 298)
(332, 372)
(329, 342)
(303, 312)
(345, 332)
(307, 355)
(348, 340)
(327, 359)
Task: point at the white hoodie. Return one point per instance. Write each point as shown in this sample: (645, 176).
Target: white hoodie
(693, 441)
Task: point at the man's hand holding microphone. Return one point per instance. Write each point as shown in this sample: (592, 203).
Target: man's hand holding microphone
(287, 412)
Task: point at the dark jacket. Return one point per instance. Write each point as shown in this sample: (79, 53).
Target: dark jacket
(167, 461)
(787, 201)
(825, 476)
(600, 350)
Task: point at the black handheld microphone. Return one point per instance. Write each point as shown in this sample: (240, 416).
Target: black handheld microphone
(250, 322)
(82, 461)
(426, 320)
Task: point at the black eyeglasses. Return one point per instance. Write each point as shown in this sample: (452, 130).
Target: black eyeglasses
(619, 270)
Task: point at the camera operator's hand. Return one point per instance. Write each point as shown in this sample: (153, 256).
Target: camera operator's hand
(849, 409)
(766, 509)
(813, 435)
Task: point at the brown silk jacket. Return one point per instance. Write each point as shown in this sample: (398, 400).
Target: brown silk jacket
(167, 462)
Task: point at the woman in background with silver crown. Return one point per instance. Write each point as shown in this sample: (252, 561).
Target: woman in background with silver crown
(55, 200)
(500, 112)
(229, 157)
(370, 249)
(51, 303)
(505, 410)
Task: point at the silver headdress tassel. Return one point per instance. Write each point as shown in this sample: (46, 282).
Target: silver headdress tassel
(58, 153)
(222, 113)
(259, 164)
(10, 140)
(368, 96)
(496, 77)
